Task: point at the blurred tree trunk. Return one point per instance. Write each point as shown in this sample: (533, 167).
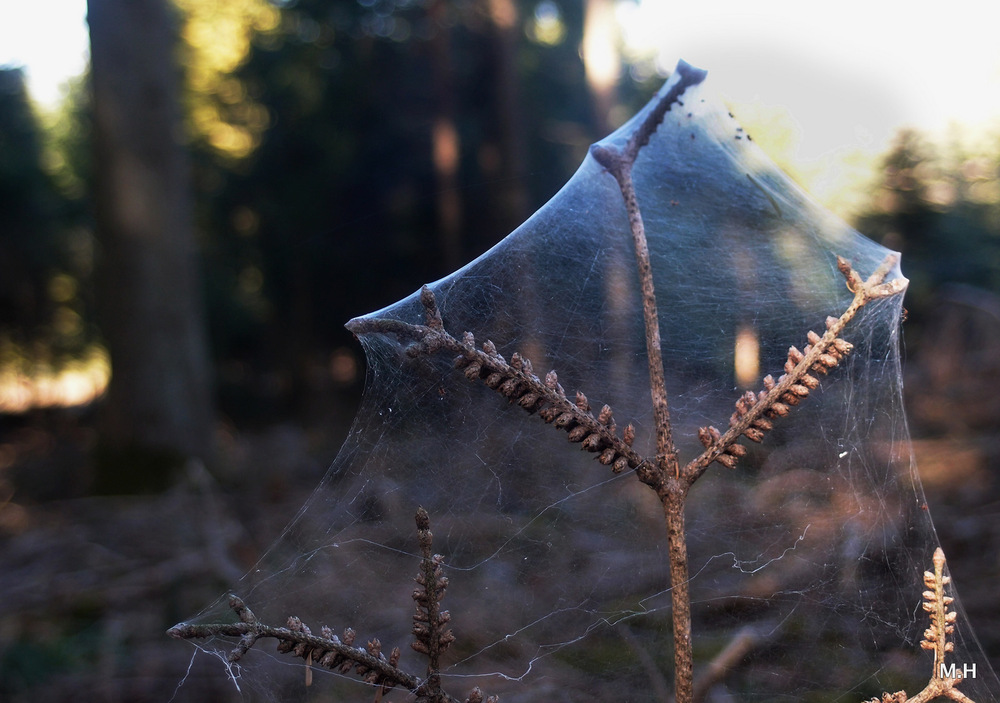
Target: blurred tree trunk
(512, 195)
(150, 304)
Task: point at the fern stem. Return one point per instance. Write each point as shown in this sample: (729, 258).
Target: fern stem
(680, 598)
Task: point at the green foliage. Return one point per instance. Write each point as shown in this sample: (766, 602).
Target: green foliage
(45, 250)
(941, 208)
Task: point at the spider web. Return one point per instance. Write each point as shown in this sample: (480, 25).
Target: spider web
(809, 554)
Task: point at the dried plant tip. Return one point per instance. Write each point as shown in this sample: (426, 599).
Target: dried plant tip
(607, 456)
(605, 417)
(375, 647)
(240, 608)
(778, 410)
(769, 382)
(581, 402)
(794, 355)
(349, 635)
(565, 420)
(494, 379)
(621, 463)
(763, 424)
(842, 346)
(826, 360)
(578, 433)
(550, 413)
(830, 321)
(469, 340)
(844, 266)
(475, 696)
(490, 348)
(551, 380)
(727, 460)
(394, 656)
(510, 388)
(753, 434)
(799, 390)
(327, 634)
(430, 308)
(628, 436)
(423, 520)
(529, 400)
(472, 370)
(528, 369)
(593, 443)
(516, 361)
(705, 437)
(813, 337)
(737, 450)
(810, 382)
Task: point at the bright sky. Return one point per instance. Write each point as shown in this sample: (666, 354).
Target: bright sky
(849, 73)
(46, 37)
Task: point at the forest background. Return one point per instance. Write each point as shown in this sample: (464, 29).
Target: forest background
(167, 401)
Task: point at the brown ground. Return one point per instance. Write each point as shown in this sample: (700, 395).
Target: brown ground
(88, 585)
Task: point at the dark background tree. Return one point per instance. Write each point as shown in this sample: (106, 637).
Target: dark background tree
(158, 407)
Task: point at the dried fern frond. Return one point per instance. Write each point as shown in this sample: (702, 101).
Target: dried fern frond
(429, 621)
(329, 651)
(755, 411)
(936, 639)
(516, 381)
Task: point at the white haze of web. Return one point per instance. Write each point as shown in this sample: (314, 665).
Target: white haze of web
(816, 542)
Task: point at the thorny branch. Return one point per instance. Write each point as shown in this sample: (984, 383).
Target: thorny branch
(335, 653)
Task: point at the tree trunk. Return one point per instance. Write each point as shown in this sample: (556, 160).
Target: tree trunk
(150, 303)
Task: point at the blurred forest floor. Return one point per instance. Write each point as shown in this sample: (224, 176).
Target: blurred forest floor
(90, 584)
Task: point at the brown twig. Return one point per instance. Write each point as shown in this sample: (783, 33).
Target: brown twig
(619, 164)
(754, 412)
(327, 651)
(331, 652)
(732, 654)
(753, 417)
(429, 620)
(517, 382)
(936, 639)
